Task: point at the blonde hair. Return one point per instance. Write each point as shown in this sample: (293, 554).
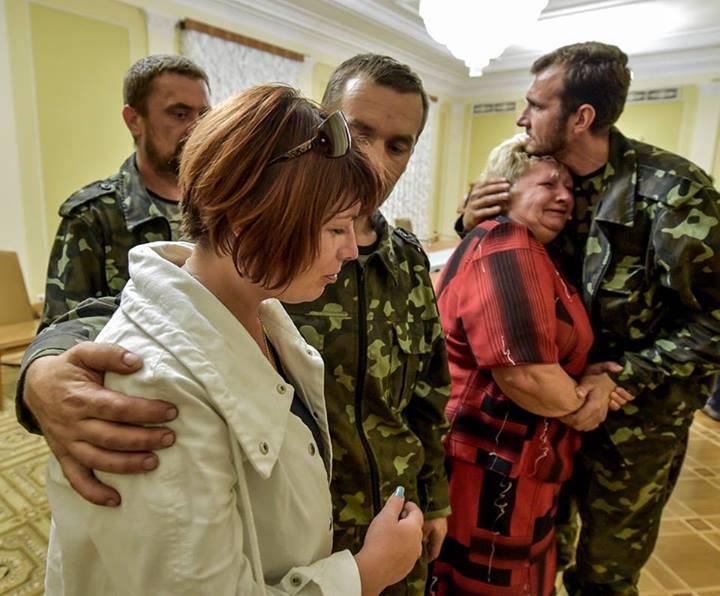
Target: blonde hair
(509, 160)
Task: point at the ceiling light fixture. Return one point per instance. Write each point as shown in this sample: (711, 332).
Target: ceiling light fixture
(476, 31)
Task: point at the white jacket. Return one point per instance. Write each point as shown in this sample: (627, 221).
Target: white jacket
(240, 503)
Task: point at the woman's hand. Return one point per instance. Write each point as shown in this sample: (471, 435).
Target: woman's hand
(393, 544)
(596, 390)
(619, 396)
(593, 412)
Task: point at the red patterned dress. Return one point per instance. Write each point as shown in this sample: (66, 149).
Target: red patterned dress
(503, 303)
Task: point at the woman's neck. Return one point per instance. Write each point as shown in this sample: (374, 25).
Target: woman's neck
(240, 296)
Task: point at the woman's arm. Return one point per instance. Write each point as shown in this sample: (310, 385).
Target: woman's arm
(179, 529)
(543, 389)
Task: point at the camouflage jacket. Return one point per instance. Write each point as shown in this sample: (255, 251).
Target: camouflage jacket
(386, 379)
(100, 224)
(645, 250)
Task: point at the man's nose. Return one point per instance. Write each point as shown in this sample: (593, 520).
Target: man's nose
(374, 150)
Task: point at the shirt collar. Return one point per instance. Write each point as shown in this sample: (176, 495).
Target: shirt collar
(616, 184)
(385, 251)
(137, 205)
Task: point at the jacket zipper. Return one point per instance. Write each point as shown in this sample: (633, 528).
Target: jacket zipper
(603, 271)
(360, 387)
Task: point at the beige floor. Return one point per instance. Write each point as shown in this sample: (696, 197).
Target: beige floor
(686, 560)
(24, 514)
(687, 557)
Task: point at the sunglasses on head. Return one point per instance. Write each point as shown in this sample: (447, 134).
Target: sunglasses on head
(332, 139)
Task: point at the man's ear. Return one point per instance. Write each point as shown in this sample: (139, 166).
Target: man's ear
(132, 120)
(583, 118)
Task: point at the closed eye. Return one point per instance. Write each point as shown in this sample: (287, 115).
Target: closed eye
(399, 148)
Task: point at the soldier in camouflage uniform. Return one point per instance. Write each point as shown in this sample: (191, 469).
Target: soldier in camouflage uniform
(644, 247)
(386, 385)
(379, 332)
(377, 328)
(164, 96)
(100, 224)
(650, 226)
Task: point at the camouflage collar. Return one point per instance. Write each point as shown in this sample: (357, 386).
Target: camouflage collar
(617, 183)
(137, 205)
(385, 250)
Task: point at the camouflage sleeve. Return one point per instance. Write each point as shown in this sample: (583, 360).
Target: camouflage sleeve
(83, 323)
(426, 417)
(686, 245)
(75, 268)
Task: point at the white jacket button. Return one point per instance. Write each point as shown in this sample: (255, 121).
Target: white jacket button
(295, 580)
(311, 448)
(281, 389)
(264, 448)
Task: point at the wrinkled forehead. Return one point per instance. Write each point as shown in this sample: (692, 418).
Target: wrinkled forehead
(172, 87)
(379, 107)
(550, 164)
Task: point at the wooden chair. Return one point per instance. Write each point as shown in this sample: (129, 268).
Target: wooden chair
(18, 322)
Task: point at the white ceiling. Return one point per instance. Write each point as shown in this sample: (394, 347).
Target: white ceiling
(666, 39)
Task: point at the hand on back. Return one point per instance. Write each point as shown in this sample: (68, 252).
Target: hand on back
(485, 200)
(90, 427)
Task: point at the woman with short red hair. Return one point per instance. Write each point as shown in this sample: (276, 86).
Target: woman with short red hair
(240, 504)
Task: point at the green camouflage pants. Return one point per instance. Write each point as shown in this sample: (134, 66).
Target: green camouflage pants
(567, 524)
(620, 507)
(412, 585)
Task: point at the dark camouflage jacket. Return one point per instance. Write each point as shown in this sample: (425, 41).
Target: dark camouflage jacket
(100, 224)
(386, 379)
(645, 250)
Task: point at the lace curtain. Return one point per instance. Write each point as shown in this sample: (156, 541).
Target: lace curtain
(233, 67)
(412, 197)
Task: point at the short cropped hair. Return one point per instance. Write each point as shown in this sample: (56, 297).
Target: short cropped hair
(268, 217)
(138, 81)
(594, 73)
(381, 70)
(510, 160)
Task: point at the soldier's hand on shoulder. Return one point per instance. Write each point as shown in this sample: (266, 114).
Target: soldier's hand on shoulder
(90, 427)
